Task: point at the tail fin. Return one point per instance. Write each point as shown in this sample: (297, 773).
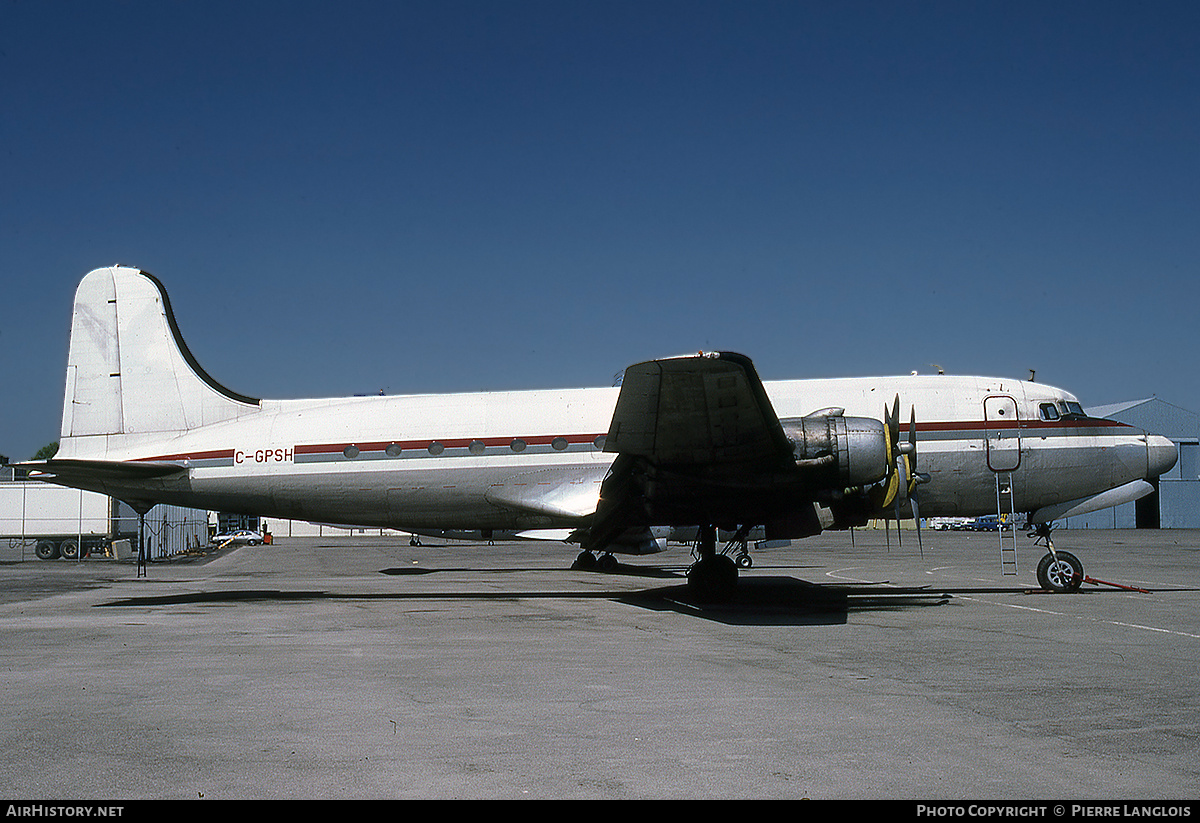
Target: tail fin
(129, 372)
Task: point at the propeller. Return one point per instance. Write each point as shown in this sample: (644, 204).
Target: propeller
(901, 482)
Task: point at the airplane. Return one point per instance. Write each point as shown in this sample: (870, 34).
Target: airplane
(694, 442)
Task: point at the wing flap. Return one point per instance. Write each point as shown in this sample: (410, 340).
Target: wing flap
(549, 493)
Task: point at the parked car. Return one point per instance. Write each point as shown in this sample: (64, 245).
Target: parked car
(987, 523)
(991, 523)
(244, 537)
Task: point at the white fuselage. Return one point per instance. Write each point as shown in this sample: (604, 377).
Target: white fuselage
(535, 459)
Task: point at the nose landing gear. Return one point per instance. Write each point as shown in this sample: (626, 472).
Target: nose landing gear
(1058, 571)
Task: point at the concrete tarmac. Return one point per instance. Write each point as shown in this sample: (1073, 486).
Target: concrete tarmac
(846, 667)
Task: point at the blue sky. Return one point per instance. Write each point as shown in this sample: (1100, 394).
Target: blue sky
(353, 197)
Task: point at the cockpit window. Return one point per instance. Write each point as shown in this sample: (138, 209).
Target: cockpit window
(1048, 411)
(1070, 408)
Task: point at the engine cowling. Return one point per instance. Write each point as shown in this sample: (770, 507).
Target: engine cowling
(838, 450)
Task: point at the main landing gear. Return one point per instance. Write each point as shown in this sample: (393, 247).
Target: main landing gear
(1058, 571)
(713, 577)
(588, 561)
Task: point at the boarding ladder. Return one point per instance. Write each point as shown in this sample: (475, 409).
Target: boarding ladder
(1006, 514)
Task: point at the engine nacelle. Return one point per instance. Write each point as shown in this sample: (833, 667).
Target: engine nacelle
(839, 450)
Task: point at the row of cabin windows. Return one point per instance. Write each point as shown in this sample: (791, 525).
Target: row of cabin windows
(476, 447)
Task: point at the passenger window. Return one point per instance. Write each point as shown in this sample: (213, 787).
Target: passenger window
(1049, 412)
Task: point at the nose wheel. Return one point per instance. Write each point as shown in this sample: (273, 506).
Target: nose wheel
(1057, 571)
(1060, 572)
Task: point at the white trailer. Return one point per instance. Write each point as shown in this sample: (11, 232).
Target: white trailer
(71, 523)
(59, 521)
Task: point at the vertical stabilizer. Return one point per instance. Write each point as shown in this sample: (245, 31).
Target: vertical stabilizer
(129, 373)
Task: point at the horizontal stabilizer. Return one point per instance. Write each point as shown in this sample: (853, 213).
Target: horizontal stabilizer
(73, 472)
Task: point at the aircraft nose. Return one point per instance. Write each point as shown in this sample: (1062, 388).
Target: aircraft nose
(1161, 455)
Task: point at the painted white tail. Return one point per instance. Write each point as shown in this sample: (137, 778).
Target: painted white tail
(129, 373)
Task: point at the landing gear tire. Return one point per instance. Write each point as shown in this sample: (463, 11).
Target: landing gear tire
(1060, 572)
(607, 563)
(713, 579)
(586, 561)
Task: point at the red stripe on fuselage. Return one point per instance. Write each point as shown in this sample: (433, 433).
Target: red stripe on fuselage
(575, 439)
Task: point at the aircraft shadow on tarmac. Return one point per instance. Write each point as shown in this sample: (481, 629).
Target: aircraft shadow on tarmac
(758, 600)
(784, 601)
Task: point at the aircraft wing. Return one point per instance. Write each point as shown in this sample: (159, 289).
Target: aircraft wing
(696, 437)
(707, 409)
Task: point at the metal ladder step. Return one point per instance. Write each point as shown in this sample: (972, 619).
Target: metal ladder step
(1006, 514)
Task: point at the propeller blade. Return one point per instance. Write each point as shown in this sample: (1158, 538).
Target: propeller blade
(890, 489)
(883, 493)
(899, 530)
(894, 421)
(917, 519)
(888, 427)
(912, 446)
